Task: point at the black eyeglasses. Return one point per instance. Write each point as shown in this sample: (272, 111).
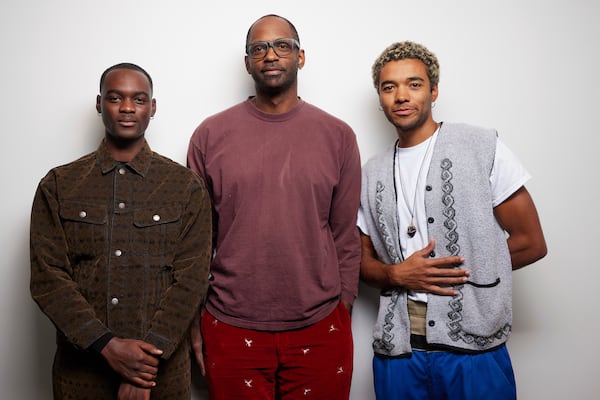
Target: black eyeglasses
(282, 47)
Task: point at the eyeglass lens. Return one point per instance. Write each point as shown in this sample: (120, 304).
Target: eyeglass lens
(281, 47)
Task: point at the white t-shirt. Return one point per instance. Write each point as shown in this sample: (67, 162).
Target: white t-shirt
(508, 175)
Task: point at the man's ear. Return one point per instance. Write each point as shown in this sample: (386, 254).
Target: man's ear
(301, 58)
(153, 107)
(434, 93)
(247, 63)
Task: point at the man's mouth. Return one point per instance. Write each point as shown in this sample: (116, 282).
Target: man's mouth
(127, 122)
(403, 111)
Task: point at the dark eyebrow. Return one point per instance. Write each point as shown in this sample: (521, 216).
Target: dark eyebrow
(120, 93)
(409, 79)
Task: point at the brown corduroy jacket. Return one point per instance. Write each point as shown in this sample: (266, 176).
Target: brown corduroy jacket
(120, 248)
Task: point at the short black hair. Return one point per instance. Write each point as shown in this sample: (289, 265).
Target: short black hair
(125, 65)
(292, 27)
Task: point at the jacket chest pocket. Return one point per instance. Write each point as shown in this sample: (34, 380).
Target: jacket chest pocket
(85, 228)
(157, 230)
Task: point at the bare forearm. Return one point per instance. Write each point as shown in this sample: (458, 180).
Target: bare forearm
(127, 391)
(517, 216)
(525, 251)
(373, 273)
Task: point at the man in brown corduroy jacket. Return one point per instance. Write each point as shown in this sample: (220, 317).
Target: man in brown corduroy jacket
(120, 248)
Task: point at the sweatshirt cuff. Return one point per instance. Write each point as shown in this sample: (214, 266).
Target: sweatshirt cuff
(348, 297)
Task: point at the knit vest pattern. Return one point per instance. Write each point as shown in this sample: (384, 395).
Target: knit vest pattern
(460, 218)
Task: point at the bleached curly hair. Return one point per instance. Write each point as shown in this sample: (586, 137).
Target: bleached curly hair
(407, 49)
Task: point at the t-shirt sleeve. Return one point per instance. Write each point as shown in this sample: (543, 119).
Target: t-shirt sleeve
(508, 174)
(361, 222)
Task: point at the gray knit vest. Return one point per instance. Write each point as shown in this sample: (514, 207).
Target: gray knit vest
(460, 218)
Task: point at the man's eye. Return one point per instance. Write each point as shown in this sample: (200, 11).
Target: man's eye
(257, 49)
(387, 88)
(139, 100)
(283, 45)
(113, 99)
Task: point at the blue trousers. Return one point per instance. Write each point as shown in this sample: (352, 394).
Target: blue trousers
(441, 375)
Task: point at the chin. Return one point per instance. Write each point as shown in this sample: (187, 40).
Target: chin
(126, 137)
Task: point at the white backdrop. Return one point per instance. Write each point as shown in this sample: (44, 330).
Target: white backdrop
(527, 68)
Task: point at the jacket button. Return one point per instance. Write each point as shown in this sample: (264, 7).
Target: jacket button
(432, 254)
(428, 188)
(114, 301)
(431, 323)
(431, 220)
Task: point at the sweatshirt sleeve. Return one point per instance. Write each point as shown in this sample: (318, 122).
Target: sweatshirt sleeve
(343, 215)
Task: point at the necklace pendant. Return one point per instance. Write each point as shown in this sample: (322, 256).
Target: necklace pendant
(411, 230)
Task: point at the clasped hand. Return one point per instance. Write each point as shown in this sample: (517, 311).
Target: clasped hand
(135, 360)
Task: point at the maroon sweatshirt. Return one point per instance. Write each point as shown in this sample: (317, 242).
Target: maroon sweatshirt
(285, 190)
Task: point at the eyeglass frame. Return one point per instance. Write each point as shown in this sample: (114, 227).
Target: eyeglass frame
(270, 44)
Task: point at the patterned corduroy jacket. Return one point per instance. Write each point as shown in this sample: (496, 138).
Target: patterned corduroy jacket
(123, 249)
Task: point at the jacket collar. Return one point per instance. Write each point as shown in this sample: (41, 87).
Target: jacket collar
(140, 164)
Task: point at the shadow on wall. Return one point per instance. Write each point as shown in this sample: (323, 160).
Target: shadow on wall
(42, 354)
(32, 335)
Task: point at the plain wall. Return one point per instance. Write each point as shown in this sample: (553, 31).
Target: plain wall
(527, 68)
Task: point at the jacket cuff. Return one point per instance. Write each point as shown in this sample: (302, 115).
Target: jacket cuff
(88, 334)
(162, 343)
(99, 344)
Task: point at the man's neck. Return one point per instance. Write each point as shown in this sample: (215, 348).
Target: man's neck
(124, 150)
(276, 104)
(418, 135)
